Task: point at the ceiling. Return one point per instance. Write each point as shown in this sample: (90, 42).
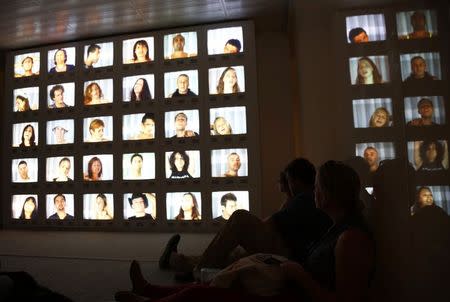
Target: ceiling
(28, 23)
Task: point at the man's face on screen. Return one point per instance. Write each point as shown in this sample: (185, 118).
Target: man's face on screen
(23, 171)
(431, 153)
(64, 167)
(425, 198)
(183, 84)
(136, 163)
(229, 208)
(148, 127)
(234, 162)
(97, 133)
(178, 43)
(418, 68)
(180, 122)
(426, 110)
(60, 203)
(138, 205)
(361, 38)
(230, 48)
(59, 134)
(95, 56)
(371, 156)
(59, 98)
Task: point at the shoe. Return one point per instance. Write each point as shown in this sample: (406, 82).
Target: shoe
(171, 247)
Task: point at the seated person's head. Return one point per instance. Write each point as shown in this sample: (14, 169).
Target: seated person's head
(300, 175)
(358, 35)
(380, 118)
(57, 94)
(234, 162)
(232, 46)
(181, 121)
(93, 53)
(337, 187)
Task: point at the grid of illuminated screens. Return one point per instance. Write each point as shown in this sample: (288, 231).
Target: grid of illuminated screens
(130, 129)
(419, 107)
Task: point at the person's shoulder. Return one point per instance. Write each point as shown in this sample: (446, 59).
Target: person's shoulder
(53, 216)
(70, 67)
(68, 216)
(52, 70)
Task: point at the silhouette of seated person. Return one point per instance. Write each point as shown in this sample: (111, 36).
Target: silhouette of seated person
(278, 233)
(338, 267)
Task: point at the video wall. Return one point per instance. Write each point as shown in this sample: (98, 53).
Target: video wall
(397, 85)
(155, 130)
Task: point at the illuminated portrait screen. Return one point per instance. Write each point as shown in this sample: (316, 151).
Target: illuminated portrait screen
(184, 206)
(138, 126)
(224, 203)
(98, 167)
(61, 95)
(183, 164)
(228, 120)
(25, 135)
(369, 70)
(229, 162)
(180, 45)
(138, 50)
(365, 28)
(98, 129)
(428, 155)
(136, 166)
(372, 113)
(98, 55)
(227, 40)
(98, 92)
(420, 24)
(183, 123)
(181, 83)
(60, 168)
(226, 80)
(24, 206)
(99, 206)
(60, 206)
(24, 170)
(60, 132)
(25, 99)
(138, 88)
(61, 60)
(139, 206)
(26, 65)
(424, 111)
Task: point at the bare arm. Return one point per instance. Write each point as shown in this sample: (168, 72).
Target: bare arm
(354, 260)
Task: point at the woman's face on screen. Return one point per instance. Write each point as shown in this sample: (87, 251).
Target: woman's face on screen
(179, 162)
(100, 203)
(95, 92)
(64, 167)
(431, 153)
(230, 78)
(29, 206)
(380, 118)
(187, 204)
(140, 51)
(20, 104)
(221, 126)
(60, 57)
(365, 70)
(28, 133)
(138, 86)
(96, 167)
